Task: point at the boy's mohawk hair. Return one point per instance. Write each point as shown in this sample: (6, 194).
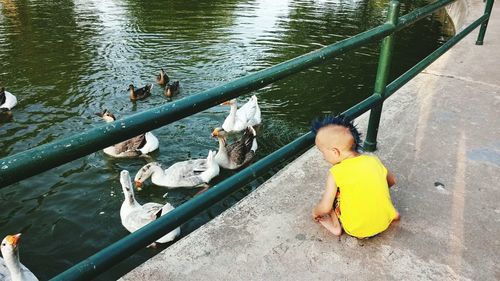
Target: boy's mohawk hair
(339, 120)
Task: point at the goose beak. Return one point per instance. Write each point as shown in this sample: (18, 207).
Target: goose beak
(14, 239)
(215, 133)
(99, 114)
(226, 103)
(138, 185)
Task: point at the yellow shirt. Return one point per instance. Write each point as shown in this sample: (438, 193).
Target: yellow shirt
(365, 203)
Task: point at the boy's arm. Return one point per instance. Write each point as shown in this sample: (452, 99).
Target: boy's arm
(325, 205)
(391, 179)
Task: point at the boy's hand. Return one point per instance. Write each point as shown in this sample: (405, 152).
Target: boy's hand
(391, 179)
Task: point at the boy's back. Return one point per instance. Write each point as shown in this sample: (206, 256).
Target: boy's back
(365, 204)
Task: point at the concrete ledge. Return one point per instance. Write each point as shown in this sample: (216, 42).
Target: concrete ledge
(439, 134)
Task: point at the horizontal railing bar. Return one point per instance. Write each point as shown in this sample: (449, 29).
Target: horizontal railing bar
(34, 161)
(362, 107)
(421, 13)
(412, 72)
(123, 248)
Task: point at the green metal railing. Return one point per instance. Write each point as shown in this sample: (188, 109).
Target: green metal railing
(26, 164)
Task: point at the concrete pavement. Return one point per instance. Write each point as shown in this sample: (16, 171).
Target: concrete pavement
(440, 134)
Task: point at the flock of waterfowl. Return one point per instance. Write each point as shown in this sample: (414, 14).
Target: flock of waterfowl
(190, 173)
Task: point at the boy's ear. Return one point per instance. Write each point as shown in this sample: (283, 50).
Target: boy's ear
(335, 150)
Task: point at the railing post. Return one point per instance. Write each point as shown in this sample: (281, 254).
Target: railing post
(482, 31)
(384, 65)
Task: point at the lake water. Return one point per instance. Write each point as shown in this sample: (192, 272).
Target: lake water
(66, 60)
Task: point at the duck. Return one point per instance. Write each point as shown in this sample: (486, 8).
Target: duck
(10, 266)
(172, 89)
(141, 93)
(7, 100)
(134, 215)
(162, 78)
(239, 119)
(237, 154)
(190, 173)
(136, 146)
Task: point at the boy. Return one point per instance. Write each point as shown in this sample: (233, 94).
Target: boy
(357, 186)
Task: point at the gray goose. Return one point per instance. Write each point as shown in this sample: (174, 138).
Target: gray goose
(235, 155)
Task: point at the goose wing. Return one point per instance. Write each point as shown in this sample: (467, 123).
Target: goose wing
(27, 274)
(4, 271)
(238, 150)
(188, 167)
(132, 144)
(199, 165)
(191, 180)
(152, 209)
(178, 169)
(139, 217)
(186, 173)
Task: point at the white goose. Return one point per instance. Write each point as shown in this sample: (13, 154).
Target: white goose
(136, 146)
(134, 215)
(240, 119)
(7, 100)
(10, 267)
(190, 173)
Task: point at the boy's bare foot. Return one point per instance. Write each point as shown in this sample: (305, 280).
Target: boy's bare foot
(331, 225)
(398, 217)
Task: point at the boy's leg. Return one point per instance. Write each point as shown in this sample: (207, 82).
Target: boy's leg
(331, 223)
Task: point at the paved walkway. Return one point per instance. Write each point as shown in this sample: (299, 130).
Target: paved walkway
(440, 134)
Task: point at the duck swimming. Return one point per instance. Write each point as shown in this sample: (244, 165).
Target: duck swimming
(172, 89)
(240, 119)
(136, 146)
(162, 79)
(190, 173)
(10, 266)
(134, 215)
(7, 100)
(141, 93)
(235, 155)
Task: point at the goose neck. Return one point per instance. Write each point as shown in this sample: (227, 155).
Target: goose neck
(157, 174)
(234, 108)
(222, 145)
(14, 266)
(130, 198)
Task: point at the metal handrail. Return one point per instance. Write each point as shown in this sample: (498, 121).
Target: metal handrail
(42, 158)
